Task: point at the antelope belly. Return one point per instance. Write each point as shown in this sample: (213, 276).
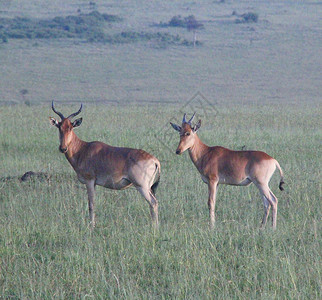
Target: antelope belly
(112, 183)
(235, 181)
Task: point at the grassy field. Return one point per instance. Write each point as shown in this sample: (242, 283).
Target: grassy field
(48, 251)
(259, 88)
(276, 59)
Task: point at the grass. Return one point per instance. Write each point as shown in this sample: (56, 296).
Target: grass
(270, 61)
(48, 251)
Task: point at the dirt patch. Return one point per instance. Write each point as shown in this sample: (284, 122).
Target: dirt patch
(28, 176)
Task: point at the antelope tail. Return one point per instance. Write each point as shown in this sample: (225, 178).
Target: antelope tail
(282, 175)
(156, 183)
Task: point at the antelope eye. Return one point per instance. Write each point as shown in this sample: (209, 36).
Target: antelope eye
(187, 133)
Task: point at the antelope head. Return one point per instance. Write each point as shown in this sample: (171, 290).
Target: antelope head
(65, 127)
(187, 133)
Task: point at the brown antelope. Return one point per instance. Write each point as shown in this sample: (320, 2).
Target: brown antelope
(218, 165)
(96, 163)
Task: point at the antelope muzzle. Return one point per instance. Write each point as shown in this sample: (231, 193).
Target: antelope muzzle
(62, 149)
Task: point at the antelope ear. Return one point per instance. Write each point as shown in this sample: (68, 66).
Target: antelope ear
(53, 122)
(176, 127)
(196, 127)
(77, 122)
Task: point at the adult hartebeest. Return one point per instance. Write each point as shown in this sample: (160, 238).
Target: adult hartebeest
(218, 165)
(96, 163)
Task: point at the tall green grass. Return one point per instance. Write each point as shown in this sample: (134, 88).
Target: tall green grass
(48, 251)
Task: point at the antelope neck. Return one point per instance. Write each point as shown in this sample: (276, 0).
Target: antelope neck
(197, 151)
(74, 148)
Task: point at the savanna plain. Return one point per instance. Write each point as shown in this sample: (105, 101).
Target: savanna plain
(254, 85)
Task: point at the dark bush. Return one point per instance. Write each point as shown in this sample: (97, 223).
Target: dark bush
(186, 22)
(177, 21)
(192, 23)
(81, 26)
(4, 38)
(89, 27)
(249, 17)
(112, 18)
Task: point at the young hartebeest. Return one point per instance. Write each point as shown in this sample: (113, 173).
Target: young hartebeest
(96, 163)
(218, 165)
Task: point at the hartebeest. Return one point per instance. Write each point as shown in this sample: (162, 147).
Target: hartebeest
(96, 163)
(218, 165)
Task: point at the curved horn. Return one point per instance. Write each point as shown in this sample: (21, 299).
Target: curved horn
(184, 119)
(57, 112)
(189, 122)
(76, 113)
